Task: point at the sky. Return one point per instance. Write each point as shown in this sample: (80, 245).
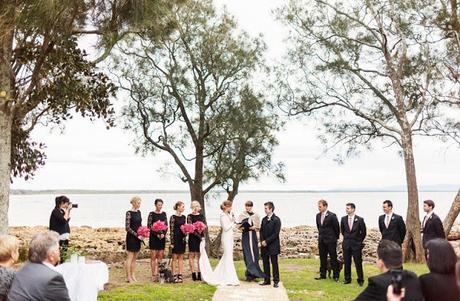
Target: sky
(85, 155)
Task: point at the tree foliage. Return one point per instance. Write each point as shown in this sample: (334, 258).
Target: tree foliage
(191, 97)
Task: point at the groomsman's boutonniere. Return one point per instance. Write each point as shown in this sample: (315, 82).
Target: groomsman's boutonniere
(431, 217)
(356, 219)
(392, 217)
(326, 214)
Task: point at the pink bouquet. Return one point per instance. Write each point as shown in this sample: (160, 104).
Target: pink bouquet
(187, 228)
(159, 226)
(199, 226)
(143, 232)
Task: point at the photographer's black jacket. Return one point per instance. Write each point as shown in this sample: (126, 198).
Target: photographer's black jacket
(58, 223)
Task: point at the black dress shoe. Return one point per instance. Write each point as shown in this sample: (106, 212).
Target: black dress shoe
(360, 283)
(264, 283)
(275, 284)
(347, 282)
(336, 279)
(320, 278)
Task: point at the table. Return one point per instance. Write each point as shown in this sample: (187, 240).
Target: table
(84, 280)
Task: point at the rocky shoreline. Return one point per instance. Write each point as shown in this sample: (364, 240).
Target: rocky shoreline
(107, 244)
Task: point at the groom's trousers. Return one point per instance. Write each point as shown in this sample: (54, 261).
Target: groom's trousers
(276, 272)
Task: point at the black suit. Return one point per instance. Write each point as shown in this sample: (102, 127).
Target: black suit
(433, 229)
(378, 285)
(435, 285)
(396, 230)
(328, 234)
(352, 245)
(270, 233)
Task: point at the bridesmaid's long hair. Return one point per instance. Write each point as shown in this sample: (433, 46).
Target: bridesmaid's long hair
(226, 204)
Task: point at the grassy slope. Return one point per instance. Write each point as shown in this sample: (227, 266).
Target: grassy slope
(296, 274)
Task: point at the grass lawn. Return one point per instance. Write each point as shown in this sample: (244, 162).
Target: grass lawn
(297, 276)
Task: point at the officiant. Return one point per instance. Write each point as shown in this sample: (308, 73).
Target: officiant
(249, 223)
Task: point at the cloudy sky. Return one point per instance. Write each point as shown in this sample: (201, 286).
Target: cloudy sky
(87, 156)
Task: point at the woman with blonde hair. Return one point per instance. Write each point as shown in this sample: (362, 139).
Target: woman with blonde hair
(133, 221)
(225, 272)
(9, 254)
(177, 241)
(194, 240)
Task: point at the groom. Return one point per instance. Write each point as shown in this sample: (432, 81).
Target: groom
(270, 243)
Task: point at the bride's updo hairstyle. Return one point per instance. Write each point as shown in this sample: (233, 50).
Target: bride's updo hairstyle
(226, 204)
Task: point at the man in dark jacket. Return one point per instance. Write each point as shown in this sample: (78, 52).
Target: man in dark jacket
(37, 280)
(353, 230)
(328, 234)
(389, 263)
(391, 225)
(270, 244)
(431, 225)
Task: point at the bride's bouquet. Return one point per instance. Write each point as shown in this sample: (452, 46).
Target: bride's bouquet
(187, 228)
(143, 232)
(159, 226)
(199, 226)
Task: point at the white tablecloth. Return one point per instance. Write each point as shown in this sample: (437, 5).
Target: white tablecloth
(84, 280)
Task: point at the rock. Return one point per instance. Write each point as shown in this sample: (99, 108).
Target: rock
(107, 244)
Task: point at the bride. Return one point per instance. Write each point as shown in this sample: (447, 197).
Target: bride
(225, 273)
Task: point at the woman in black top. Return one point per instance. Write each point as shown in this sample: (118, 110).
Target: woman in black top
(194, 240)
(157, 240)
(440, 283)
(177, 241)
(59, 222)
(133, 244)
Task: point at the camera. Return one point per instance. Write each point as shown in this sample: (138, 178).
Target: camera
(74, 205)
(396, 281)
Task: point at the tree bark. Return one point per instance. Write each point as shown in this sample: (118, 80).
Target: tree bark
(452, 215)
(5, 160)
(412, 245)
(6, 123)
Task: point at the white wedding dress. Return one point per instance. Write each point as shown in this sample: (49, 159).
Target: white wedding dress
(225, 273)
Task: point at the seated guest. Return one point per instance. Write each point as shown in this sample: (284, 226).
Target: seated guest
(389, 258)
(441, 260)
(38, 280)
(9, 254)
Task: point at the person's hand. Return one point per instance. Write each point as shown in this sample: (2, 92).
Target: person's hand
(263, 243)
(392, 296)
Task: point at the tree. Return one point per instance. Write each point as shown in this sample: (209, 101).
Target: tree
(370, 70)
(190, 97)
(45, 76)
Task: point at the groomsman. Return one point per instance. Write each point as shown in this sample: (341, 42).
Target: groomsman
(353, 230)
(391, 225)
(270, 244)
(431, 225)
(328, 234)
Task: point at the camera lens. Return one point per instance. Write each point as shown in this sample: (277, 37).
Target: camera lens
(74, 205)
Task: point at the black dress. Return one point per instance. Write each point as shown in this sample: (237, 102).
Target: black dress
(194, 239)
(133, 222)
(177, 236)
(155, 243)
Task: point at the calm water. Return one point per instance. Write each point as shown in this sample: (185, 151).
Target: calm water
(108, 210)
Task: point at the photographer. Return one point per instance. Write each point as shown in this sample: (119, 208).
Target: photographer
(404, 283)
(59, 222)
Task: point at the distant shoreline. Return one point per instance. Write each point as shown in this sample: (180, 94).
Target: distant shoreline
(83, 191)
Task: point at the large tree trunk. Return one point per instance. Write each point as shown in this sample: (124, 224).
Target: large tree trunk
(452, 215)
(6, 120)
(5, 158)
(412, 245)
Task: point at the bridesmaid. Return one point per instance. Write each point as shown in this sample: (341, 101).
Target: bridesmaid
(177, 242)
(157, 240)
(194, 240)
(133, 244)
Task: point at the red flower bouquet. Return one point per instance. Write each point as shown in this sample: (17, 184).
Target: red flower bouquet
(143, 232)
(199, 226)
(187, 228)
(159, 226)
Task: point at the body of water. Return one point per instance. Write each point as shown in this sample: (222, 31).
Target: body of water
(294, 208)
